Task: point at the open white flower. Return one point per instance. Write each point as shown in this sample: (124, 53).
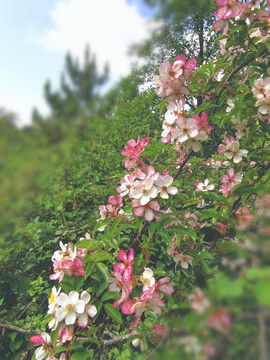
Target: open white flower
(144, 190)
(204, 186)
(52, 299)
(70, 307)
(147, 279)
(90, 310)
(164, 188)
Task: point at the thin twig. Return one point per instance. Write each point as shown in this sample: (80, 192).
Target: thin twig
(183, 164)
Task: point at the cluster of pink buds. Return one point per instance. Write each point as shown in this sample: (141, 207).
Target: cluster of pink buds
(261, 91)
(125, 281)
(215, 164)
(67, 262)
(187, 131)
(132, 151)
(172, 78)
(113, 209)
(231, 150)
(229, 181)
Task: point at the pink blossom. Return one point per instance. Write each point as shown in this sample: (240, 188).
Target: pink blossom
(198, 301)
(244, 219)
(73, 267)
(146, 302)
(222, 227)
(58, 271)
(116, 201)
(229, 8)
(146, 210)
(132, 151)
(160, 330)
(221, 24)
(125, 268)
(63, 333)
(117, 284)
(144, 190)
(220, 319)
(46, 349)
(230, 180)
(163, 286)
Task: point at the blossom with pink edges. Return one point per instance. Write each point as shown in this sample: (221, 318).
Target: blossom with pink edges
(124, 268)
(229, 8)
(117, 284)
(144, 190)
(146, 302)
(89, 310)
(198, 301)
(244, 219)
(164, 187)
(45, 349)
(231, 150)
(163, 286)
(146, 210)
(220, 319)
(132, 151)
(230, 180)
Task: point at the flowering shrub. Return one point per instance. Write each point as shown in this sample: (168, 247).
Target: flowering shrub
(181, 242)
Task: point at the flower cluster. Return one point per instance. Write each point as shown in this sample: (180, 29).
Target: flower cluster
(229, 181)
(231, 150)
(179, 129)
(124, 280)
(132, 151)
(143, 186)
(67, 262)
(261, 91)
(71, 309)
(173, 78)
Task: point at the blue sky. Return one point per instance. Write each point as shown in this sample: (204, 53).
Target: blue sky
(36, 34)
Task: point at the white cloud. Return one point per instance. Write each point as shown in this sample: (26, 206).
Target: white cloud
(108, 26)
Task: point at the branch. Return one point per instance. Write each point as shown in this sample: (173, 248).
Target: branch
(183, 164)
(114, 339)
(235, 71)
(20, 330)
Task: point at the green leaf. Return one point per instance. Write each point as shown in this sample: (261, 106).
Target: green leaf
(182, 230)
(81, 356)
(262, 291)
(101, 256)
(204, 107)
(104, 270)
(101, 288)
(89, 269)
(67, 284)
(258, 273)
(110, 296)
(209, 213)
(113, 313)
